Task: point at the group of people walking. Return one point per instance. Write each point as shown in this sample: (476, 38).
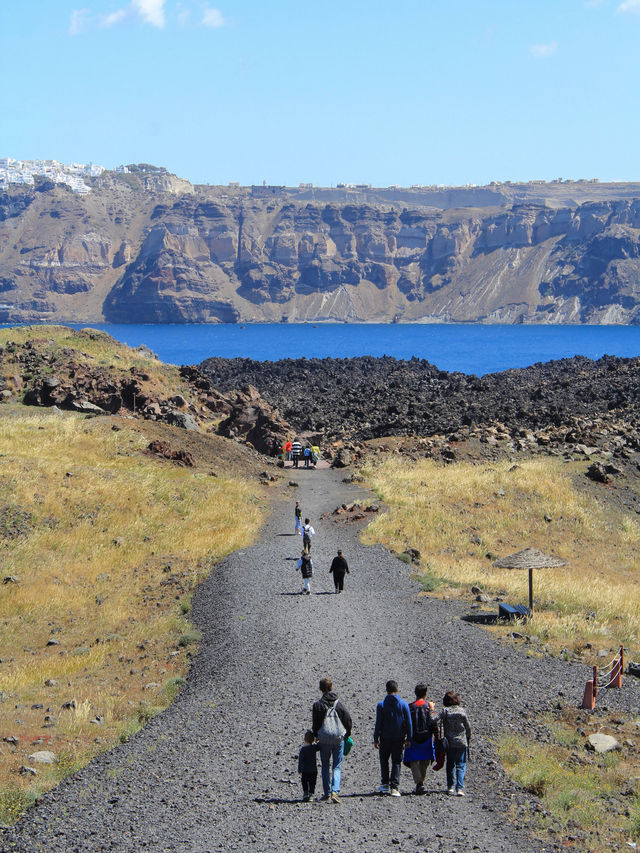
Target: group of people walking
(413, 734)
(339, 566)
(295, 451)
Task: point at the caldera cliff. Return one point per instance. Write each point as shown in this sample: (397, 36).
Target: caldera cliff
(164, 251)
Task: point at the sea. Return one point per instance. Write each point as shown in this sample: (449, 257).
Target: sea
(471, 349)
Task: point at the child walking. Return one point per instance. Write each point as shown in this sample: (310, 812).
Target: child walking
(307, 766)
(305, 566)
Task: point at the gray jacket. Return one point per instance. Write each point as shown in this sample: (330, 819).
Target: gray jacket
(455, 726)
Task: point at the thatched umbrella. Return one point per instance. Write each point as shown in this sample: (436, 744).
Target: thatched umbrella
(529, 558)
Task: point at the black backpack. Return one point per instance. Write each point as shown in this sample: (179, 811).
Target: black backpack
(422, 728)
(306, 568)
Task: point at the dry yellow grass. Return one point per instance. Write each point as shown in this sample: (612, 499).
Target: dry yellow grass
(107, 546)
(457, 515)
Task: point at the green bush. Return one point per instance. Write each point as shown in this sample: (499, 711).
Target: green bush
(189, 638)
(172, 687)
(634, 818)
(14, 802)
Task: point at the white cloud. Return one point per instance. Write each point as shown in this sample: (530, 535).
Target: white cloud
(212, 18)
(114, 18)
(541, 51)
(157, 13)
(151, 11)
(630, 6)
(78, 21)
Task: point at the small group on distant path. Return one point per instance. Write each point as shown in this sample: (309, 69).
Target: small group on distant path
(339, 568)
(294, 451)
(413, 734)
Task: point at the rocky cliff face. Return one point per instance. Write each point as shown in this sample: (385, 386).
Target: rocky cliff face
(167, 252)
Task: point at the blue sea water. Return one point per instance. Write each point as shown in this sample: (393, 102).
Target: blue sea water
(475, 349)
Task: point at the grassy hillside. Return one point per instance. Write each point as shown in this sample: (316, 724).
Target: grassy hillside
(461, 517)
(101, 547)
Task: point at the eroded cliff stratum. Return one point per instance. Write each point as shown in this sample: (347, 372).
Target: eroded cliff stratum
(162, 251)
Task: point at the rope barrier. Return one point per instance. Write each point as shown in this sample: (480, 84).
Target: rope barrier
(612, 671)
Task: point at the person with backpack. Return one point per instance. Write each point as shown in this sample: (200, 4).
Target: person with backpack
(307, 456)
(305, 567)
(393, 728)
(296, 451)
(339, 567)
(331, 726)
(456, 733)
(419, 751)
(307, 533)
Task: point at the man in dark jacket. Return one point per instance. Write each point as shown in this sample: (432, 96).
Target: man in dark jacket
(393, 727)
(331, 751)
(339, 568)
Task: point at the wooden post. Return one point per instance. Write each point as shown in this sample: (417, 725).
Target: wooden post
(589, 700)
(595, 681)
(618, 679)
(531, 590)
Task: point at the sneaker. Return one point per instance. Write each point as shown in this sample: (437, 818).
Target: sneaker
(325, 798)
(420, 789)
(395, 792)
(334, 797)
(306, 798)
(451, 791)
(383, 789)
(459, 793)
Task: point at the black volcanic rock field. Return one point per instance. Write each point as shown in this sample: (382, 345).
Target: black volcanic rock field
(364, 398)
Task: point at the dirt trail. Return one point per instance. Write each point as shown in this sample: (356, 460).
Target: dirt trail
(217, 771)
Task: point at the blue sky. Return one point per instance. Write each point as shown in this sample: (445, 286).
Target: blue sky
(412, 92)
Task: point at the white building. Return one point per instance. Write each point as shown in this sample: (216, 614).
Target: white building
(14, 171)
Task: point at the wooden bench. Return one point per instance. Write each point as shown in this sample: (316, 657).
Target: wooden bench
(513, 611)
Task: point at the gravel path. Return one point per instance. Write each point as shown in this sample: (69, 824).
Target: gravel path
(217, 771)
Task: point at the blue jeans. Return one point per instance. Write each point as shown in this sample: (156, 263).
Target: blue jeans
(456, 767)
(328, 753)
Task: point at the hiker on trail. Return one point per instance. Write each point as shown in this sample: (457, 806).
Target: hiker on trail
(332, 726)
(419, 752)
(393, 727)
(287, 450)
(315, 453)
(306, 453)
(305, 566)
(308, 766)
(298, 516)
(457, 733)
(339, 568)
(296, 451)
(307, 533)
